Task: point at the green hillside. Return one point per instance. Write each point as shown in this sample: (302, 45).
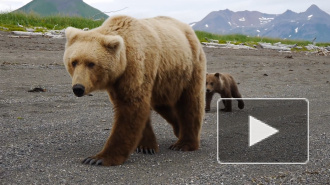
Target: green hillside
(62, 7)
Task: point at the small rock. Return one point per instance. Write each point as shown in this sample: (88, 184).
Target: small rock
(37, 89)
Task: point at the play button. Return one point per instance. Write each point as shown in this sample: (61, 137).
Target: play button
(266, 131)
(259, 131)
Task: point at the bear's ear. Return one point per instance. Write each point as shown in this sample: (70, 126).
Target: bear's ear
(113, 42)
(217, 75)
(71, 34)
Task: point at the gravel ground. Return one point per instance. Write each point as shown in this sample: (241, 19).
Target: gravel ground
(45, 135)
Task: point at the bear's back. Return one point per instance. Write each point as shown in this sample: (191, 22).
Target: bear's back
(153, 31)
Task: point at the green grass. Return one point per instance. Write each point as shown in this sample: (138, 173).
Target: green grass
(238, 39)
(11, 21)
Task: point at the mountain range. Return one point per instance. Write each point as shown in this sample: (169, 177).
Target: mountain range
(313, 23)
(63, 7)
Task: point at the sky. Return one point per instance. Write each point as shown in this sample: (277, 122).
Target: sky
(187, 11)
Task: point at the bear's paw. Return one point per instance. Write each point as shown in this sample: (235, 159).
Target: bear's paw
(146, 150)
(184, 146)
(100, 160)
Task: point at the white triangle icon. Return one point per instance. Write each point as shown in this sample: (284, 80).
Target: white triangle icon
(259, 131)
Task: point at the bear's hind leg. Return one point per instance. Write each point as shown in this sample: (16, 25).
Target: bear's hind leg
(224, 104)
(190, 110)
(236, 94)
(227, 103)
(148, 143)
(228, 106)
(240, 104)
(168, 114)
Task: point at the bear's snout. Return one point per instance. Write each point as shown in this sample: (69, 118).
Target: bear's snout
(78, 90)
(208, 90)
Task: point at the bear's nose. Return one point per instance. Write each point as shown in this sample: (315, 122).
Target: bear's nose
(78, 90)
(207, 90)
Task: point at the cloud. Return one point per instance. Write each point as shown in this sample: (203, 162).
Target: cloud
(10, 5)
(194, 10)
(97, 1)
(187, 10)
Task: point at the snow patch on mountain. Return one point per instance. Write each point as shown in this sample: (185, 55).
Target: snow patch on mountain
(309, 17)
(242, 19)
(304, 25)
(264, 20)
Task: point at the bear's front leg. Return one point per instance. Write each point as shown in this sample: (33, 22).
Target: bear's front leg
(208, 97)
(130, 120)
(148, 143)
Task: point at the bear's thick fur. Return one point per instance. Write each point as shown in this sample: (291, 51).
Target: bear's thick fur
(143, 64)
(225, 85)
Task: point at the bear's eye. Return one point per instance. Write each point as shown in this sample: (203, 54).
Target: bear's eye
(212, 83)
(91, 64)
(74, 64)
(206, 83)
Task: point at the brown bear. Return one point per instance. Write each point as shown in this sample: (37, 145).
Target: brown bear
(143, 64)
(225, 85)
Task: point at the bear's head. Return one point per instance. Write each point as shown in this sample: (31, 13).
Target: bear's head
(93, 60)
(212, 82)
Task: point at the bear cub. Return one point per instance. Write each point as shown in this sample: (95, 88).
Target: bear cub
(225, 85)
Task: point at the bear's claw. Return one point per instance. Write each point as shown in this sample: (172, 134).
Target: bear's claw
(184, 146)
(173, 147)
(92, 161)
(146, 151)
